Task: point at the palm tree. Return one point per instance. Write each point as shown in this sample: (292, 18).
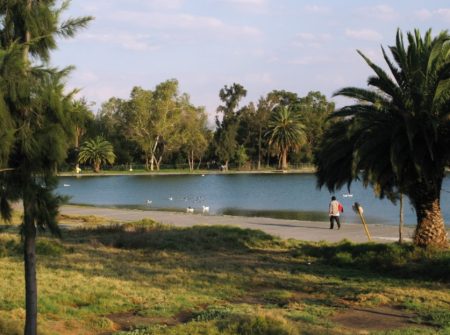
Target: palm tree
(397, 136)
(97, 152)
(286, 132)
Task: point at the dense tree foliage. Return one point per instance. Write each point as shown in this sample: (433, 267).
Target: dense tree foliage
(37, 125)
(397, 135)
(225, 137)
(97, 151)
(286, 132)
(162, 126)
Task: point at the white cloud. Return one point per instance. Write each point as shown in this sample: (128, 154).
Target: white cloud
(164, 4)
(423, 14)
(259, 78)
(364, 34)
(135, 42)
(381, 12)
(309, 60)
(310, 40)
(182, 21)
(317, 9)
(100, 5)
(252, 6)
(248, 2)
(86, 76)
(443, 12)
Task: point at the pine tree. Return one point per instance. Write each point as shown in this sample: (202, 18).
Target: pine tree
(36, 127)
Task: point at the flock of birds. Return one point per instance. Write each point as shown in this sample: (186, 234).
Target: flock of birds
(205, 209)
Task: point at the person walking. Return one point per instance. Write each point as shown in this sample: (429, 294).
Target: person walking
(334, 210)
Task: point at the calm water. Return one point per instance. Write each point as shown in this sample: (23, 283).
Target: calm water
(292, 196)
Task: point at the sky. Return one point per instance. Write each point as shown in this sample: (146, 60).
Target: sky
(293, 45)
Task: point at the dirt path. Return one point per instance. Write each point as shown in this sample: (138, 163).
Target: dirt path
(302, 230)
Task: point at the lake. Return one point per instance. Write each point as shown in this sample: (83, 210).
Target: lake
(290, 196)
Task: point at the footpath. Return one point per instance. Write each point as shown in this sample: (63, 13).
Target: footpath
(301, 230)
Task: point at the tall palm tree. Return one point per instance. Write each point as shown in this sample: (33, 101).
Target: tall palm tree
(397, 135)
(97, 152)
(286, 132)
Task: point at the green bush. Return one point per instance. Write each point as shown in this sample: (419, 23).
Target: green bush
(213, 313)
(49, 247)
(259, 325)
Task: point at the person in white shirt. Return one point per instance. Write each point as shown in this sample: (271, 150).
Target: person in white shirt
(334, 212)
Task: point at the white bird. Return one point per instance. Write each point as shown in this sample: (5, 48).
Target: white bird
(170, 198)
(66, 185)
(203, 175)
(149, 202)
(347, 195)
(205, 209)
(189, 210)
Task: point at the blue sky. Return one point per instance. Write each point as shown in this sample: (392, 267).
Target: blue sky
(294, 45)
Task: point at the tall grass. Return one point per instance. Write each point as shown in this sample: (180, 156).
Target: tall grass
(147, 278)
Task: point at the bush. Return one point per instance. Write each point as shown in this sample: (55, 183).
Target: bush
(49, 247)
(260, 324)
(213, 313)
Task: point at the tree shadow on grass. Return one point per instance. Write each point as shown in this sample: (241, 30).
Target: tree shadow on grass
(188, 240)
(390, 260)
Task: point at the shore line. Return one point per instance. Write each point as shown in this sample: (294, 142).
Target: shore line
(183, 173)
(313, 231)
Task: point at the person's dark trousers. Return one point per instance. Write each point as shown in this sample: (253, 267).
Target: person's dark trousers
(332, 219)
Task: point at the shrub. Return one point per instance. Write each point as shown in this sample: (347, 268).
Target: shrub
(260, 324)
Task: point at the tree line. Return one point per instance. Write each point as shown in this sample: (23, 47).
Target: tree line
(162, 125)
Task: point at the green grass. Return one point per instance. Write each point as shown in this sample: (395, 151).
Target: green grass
(217, 280)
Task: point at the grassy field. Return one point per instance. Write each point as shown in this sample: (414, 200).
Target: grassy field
(145, 278)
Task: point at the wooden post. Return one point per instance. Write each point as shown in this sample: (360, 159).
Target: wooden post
(358, 209)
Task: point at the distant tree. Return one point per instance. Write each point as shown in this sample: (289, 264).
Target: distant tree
(314, 111)
(194, 134)
(247, 132)
(167, 120)
(397, 136)
(286, 132)
(227, 128)
(262, 117)
(284, 98)
(96, 152)
(241, 156)
(82, 117)
(155, 118)
(35, 109)
(112, 123)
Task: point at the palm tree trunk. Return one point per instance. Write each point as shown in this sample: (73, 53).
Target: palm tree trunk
(29, 249)
(430, 230)
(284, 165)
(400, 226)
